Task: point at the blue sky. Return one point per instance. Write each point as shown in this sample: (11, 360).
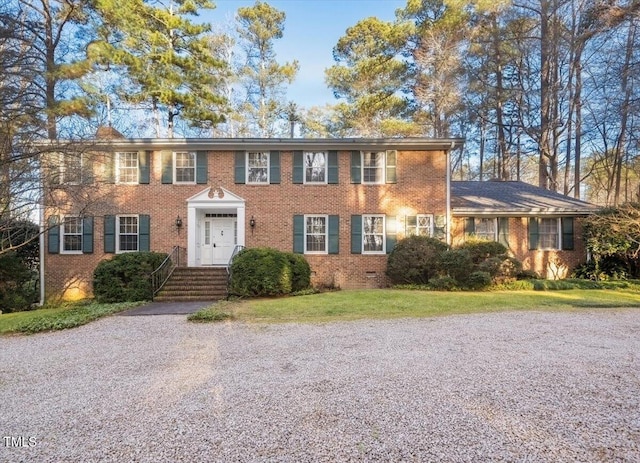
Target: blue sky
(312, 28)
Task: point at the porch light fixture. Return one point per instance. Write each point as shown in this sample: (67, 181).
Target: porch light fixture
(178, 223)
(252, 223)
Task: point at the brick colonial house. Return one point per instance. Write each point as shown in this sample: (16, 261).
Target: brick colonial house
(343, 203)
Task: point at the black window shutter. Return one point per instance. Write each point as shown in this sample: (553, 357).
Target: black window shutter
(391, 228)
(144, 170)
(567, 233)
(298, 234)
(356, 234)
(110, 234)
(533, 233)
(240, 171)
(356, 167)
(202, 167)
(87, 235)
(391, 166)
(334, 234)
(332, 170)
(274, 167)
(298, 167)
(469, 226)
(503, 231)
(144, 232)
(167, 167)
(53, 234)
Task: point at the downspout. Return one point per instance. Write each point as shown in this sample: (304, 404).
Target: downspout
(448, 225)
(41, 237)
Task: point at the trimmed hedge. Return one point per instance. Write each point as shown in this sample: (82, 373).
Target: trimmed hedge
(415, 260)
(268, 272)
(126, 277)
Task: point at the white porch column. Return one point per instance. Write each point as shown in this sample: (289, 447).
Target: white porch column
(241, 225)
(192, 228)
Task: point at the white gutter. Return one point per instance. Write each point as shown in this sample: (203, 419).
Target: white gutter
(41, 237)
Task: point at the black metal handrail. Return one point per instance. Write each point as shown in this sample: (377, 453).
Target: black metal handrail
(160, 275)
(236, 250)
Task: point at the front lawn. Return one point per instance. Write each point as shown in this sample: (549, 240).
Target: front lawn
(58, 317)
(397, 303)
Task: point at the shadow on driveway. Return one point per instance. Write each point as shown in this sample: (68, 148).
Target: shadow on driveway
(168, 308)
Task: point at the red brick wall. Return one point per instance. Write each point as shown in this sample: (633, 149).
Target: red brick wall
(420, 189)
(547, 263)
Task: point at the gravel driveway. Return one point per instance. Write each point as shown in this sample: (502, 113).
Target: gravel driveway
(522, 387)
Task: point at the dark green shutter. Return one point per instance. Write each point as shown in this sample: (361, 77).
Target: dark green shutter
(87, 169)
(567, 233)
(356, 167)
(167, 167)
(110, 233)
(53, 234)
(391, 232)
(87, 235)
(356, 234)
(274, 167)
(298, 167)
(144, 169)
(144, 231)
(391, 166)
(440, 227)
(533, 233)
(202, 167)
(503, 231)
(334, 234)
(110, 168)
(332, 171)
(240, 170)
(469, 226)
(298, 234)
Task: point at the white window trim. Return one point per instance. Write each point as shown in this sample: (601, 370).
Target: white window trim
(118, 217)
(558, 231)
(247, 167)
(383, 179)
(326, 234)
(117, 168)
(326, 168)
(195, 168)
(495, 227)
(418, 216)
(62, 234)
(384, 234)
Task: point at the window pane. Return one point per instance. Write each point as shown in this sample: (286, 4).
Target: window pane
(72, 165)
(127, 168)
(485, 229)
(372, 167)
(316, 234)
(128, 234)
(373, 234)
(258, 168)
(315, 167)
(424, 225)
(72, 234)
(548, 233)
(185, 167)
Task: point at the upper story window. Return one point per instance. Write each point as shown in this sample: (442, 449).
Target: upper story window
(71, 235)
(127, 167)
(70, 169)
(185, 167)
(374, 167)
(315, 167)
(316, 234)
(420, 225)
(373, 234)
(127, 233)
(258, 167)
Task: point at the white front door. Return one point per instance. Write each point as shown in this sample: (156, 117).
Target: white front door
(217, 240)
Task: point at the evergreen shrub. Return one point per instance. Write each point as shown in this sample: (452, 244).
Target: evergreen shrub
(126, 277)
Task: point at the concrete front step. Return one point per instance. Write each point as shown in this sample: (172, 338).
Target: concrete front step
(195, 284)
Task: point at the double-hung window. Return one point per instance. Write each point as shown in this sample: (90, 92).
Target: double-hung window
(315, 167)
(316, 234)
(185, 167)
(127, 167)
(72, 168)
(71, 235)
(373, 234)
(373, 163)
(486, 228)
(258, 167)
(548, 233)
(127, 233)
(420, 225)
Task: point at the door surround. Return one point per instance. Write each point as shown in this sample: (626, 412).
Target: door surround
(212, 200)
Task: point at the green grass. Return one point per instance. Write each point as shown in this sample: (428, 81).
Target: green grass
(215, 313)
(58, 317)
(397, 303)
